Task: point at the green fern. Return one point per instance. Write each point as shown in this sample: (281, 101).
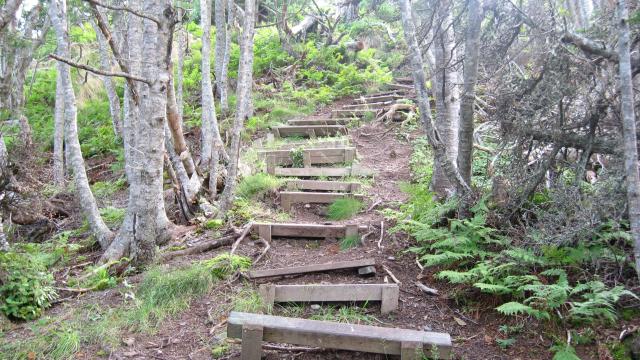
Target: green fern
(516, 308)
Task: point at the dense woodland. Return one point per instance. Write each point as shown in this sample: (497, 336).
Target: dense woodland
(132, 171)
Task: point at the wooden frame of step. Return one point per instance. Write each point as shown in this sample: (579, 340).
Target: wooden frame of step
(323, 172)
(310, 145)
(309, 157)
(310, 131)
(318, 185)
(307, 269)
(386, 294)
(409, 344)
(303, 231)
(367, 106)
(377, 98)
(352, 113)
(289, 198)
(306, 122)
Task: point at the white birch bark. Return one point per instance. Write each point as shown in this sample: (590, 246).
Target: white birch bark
(57, 13)
(58, 132)
(245, 82)
(224, 96)
(220, 54)
(629, 129)
(182, 44)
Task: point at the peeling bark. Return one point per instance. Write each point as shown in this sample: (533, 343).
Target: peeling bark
(220, 54)
(58, 132)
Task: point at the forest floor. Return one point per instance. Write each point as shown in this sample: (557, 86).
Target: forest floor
(199, 328)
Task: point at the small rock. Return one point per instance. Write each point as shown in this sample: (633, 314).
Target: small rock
(183, 324)
(315, 307)
(307, 206)
(392, 258)
(427, 328)
(129, 341)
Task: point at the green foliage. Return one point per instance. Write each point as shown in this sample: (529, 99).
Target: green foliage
(112, 216)
(349, 242)
(564, 352)
(213, 224)
(345, 208)
(344, 314)
(27, 289)
(249, 301)
(225, 264)
(297, 156)
(258, 184)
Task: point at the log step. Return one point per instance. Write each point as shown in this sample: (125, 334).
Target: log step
(387, 294)
(289, 198)
(306, 122)
(353, 112)
(369, 105)
(323, 172)
(310, 131)
(317, 185)
(268, 231)
(307, 269)
(253, 329)
(309, 157)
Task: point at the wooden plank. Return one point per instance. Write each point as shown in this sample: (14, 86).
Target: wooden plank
(353, 112)
(311, 131)
(310, 156)
(288, 198)
(341, 336)
(252, 342)
(313, 231)
(323, 172)
(378, 98)
(317, 144)
(368, 105)
(318, 185)
(411, 350)
(387, 294)
(295, 270)
(307, 122)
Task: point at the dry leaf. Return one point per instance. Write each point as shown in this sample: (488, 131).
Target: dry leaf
(460, 321)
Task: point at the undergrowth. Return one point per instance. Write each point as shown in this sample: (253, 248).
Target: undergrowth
(345, 208)
(257, 185)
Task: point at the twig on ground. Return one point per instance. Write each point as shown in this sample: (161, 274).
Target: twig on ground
(381, 234)
(200, 248)
(426, 289)
(364, 237)
(393, 277)
(217, 326)
(247, 228)
(76, 290)
(376, 203)
(266, 248)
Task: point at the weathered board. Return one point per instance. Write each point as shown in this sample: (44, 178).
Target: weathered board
(302, 231)
(353, 113)
(309, 156)
(288, 198)
(387, 294)
(333, 335)
(323, 172)
(310, 144)
(369, 105)
(296, 270)
(310, 131)
(306, 122)
(377, 98)
(318, 185)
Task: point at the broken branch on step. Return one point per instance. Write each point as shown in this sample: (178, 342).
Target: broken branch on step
(98, 71)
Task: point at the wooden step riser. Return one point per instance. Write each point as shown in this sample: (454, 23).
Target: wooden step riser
(317, 122)
(409, 344)
(353, 113)
(316, 185)
(307, 231)
(369, 106)
(387, 294)
(311, 145)
(309, 157)
(309, 131)
(322, 172)
(289, 198)
(377, 99)
(308, 269)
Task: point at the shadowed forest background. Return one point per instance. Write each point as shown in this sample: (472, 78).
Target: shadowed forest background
(497, 160)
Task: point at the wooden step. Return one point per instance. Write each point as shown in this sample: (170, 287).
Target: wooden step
(307, 122)
(307, 269)
(354, 170)
(310, 131)
(312, 144)
(353, 112)
(317, 185)
(387, 294)
(369, 106)
(309, 157)
(253, 329)
(268, 231)
(378, 98)
(401, 87)
(288, 198)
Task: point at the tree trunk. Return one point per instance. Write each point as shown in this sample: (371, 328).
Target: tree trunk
(629, 129)
(419, 81)
(182, 44)
(175, 125)
(87, 201)
(210, 129)
(8, 11)
(348, 10)
(224, 97)
(58, 133)
(446, 96)
(221, 48)
(245, 82)
(471, 54)
(109, 86)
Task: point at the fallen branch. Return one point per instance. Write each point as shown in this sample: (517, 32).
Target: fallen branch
(376, 203)
(426, 289)
(244, 234)
(364, 237)
(200, 248)
(381, 234)
(393, 277)
(266, 248)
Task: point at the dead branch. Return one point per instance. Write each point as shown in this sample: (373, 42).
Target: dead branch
(381, 234)
(266, 248)
(376, 203)
(426, 289)
(98, 71)
(200, 248)
(393, 277)
(124, 8)
(244, 234)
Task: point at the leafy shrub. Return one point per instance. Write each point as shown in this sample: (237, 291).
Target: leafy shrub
(345, 208)
(258, 184)
(26, 288)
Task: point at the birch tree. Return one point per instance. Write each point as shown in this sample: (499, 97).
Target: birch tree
(245, 81)
(220, 54)
(58, 131)
(109, 86)
(471, 54)
(629, 129)
(57, 13)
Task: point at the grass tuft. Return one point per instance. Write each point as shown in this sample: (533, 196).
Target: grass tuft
(258, 184)
(249, 301)
(349, 242)
(344, 314)
(343, 209)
